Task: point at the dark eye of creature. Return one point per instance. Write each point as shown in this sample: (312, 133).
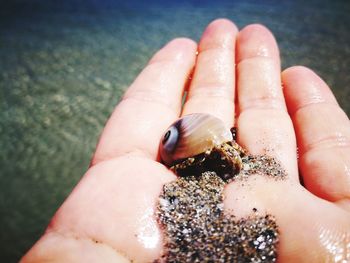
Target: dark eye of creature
(170, 139)
(166, 136)
(234, 132)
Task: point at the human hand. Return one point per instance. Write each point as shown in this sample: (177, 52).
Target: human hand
(109, 216)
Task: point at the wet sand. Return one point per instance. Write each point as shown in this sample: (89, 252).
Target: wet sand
(196, 228)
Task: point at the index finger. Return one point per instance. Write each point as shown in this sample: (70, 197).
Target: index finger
(150, 105)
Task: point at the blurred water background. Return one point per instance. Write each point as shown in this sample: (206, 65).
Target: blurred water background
(64, 65)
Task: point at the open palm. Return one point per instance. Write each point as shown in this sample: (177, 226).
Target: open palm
(109, 216)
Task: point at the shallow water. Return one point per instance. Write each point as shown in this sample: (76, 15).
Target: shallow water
(64, 65)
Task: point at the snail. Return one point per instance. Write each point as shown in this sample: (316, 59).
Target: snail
(200, 142)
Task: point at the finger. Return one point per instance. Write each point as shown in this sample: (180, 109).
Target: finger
(150, 105)
(212, 86)
(263, 125)
(323, 134)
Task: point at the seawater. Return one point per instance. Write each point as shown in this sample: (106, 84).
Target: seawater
(64, 65)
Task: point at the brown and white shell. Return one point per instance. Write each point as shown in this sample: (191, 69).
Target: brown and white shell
(192, 135)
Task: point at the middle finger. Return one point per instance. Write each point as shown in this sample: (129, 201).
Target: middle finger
(212, 86)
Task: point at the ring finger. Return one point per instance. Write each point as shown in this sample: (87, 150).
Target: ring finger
(264, 126)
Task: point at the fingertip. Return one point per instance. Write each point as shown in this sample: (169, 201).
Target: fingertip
(302, 86)
(220, 33)
(178, 49)
(256, 40)
(181, 43)
(298, 71)
(253, 29)
(222, 23)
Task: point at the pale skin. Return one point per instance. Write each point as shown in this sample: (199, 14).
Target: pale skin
(109, 216)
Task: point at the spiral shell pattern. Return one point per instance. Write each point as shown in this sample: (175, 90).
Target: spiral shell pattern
(191, 135)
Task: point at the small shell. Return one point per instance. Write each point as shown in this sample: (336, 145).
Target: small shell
(192, 135)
